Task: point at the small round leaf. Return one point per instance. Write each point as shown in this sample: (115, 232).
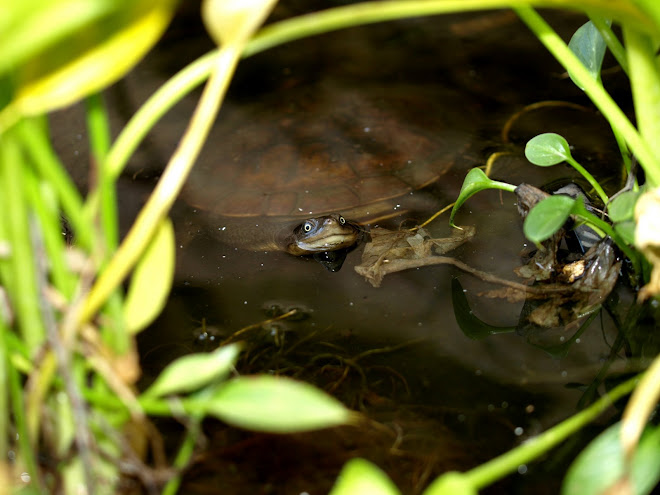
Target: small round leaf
(622, 207)
(546, 150)
(547, 217)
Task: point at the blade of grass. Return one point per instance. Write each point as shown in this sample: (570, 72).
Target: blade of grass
(645, 85)
(99, 140)
(49, 218)
(33, 134)
(25, 291)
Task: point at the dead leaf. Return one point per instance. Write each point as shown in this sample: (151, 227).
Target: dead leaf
(391, 251)
(599, 271)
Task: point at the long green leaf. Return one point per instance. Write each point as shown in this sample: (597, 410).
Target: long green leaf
(152, 280)
(90, 53)
(191, 372)
(601, 465)
(276, 405)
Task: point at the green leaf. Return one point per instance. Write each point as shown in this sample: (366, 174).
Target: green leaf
(652, 9)
(589, 46)
(622, 207)
(469, 324)
(362, 477)
(601, 464)
(276, 405)
(78, 48)
(30, 26)
(546, 150)
(547, 217)
(451, 483)
(476, 180)
(191, 372)
(151, 280)
(627, 231)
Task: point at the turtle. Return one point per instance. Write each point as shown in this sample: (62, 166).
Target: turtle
(306, 171)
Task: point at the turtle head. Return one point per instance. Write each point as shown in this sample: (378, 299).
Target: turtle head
(323, 235)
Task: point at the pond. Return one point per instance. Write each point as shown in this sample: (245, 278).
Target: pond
(439, 400)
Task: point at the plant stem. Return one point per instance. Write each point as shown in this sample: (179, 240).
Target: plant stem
(169, 185)
(590, 178)
(594, 90)
(640, 407)
(645, 85)
(611, 40)
(488, 473)
(184, 454)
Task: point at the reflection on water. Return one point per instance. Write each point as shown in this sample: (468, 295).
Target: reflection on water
(447, 402)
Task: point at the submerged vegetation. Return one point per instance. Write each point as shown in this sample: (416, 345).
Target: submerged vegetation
(68, 363)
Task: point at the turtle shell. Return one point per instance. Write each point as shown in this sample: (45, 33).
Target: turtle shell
(303, 153)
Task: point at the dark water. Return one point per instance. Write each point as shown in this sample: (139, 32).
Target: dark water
(445, 401)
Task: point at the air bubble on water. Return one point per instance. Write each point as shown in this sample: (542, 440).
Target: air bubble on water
(522, 469)
(518, 431)
(244, 302)
(564, 374)
(367, 129)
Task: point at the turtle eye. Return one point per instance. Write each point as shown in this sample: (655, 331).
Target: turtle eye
(342, 220)
(307, 227)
